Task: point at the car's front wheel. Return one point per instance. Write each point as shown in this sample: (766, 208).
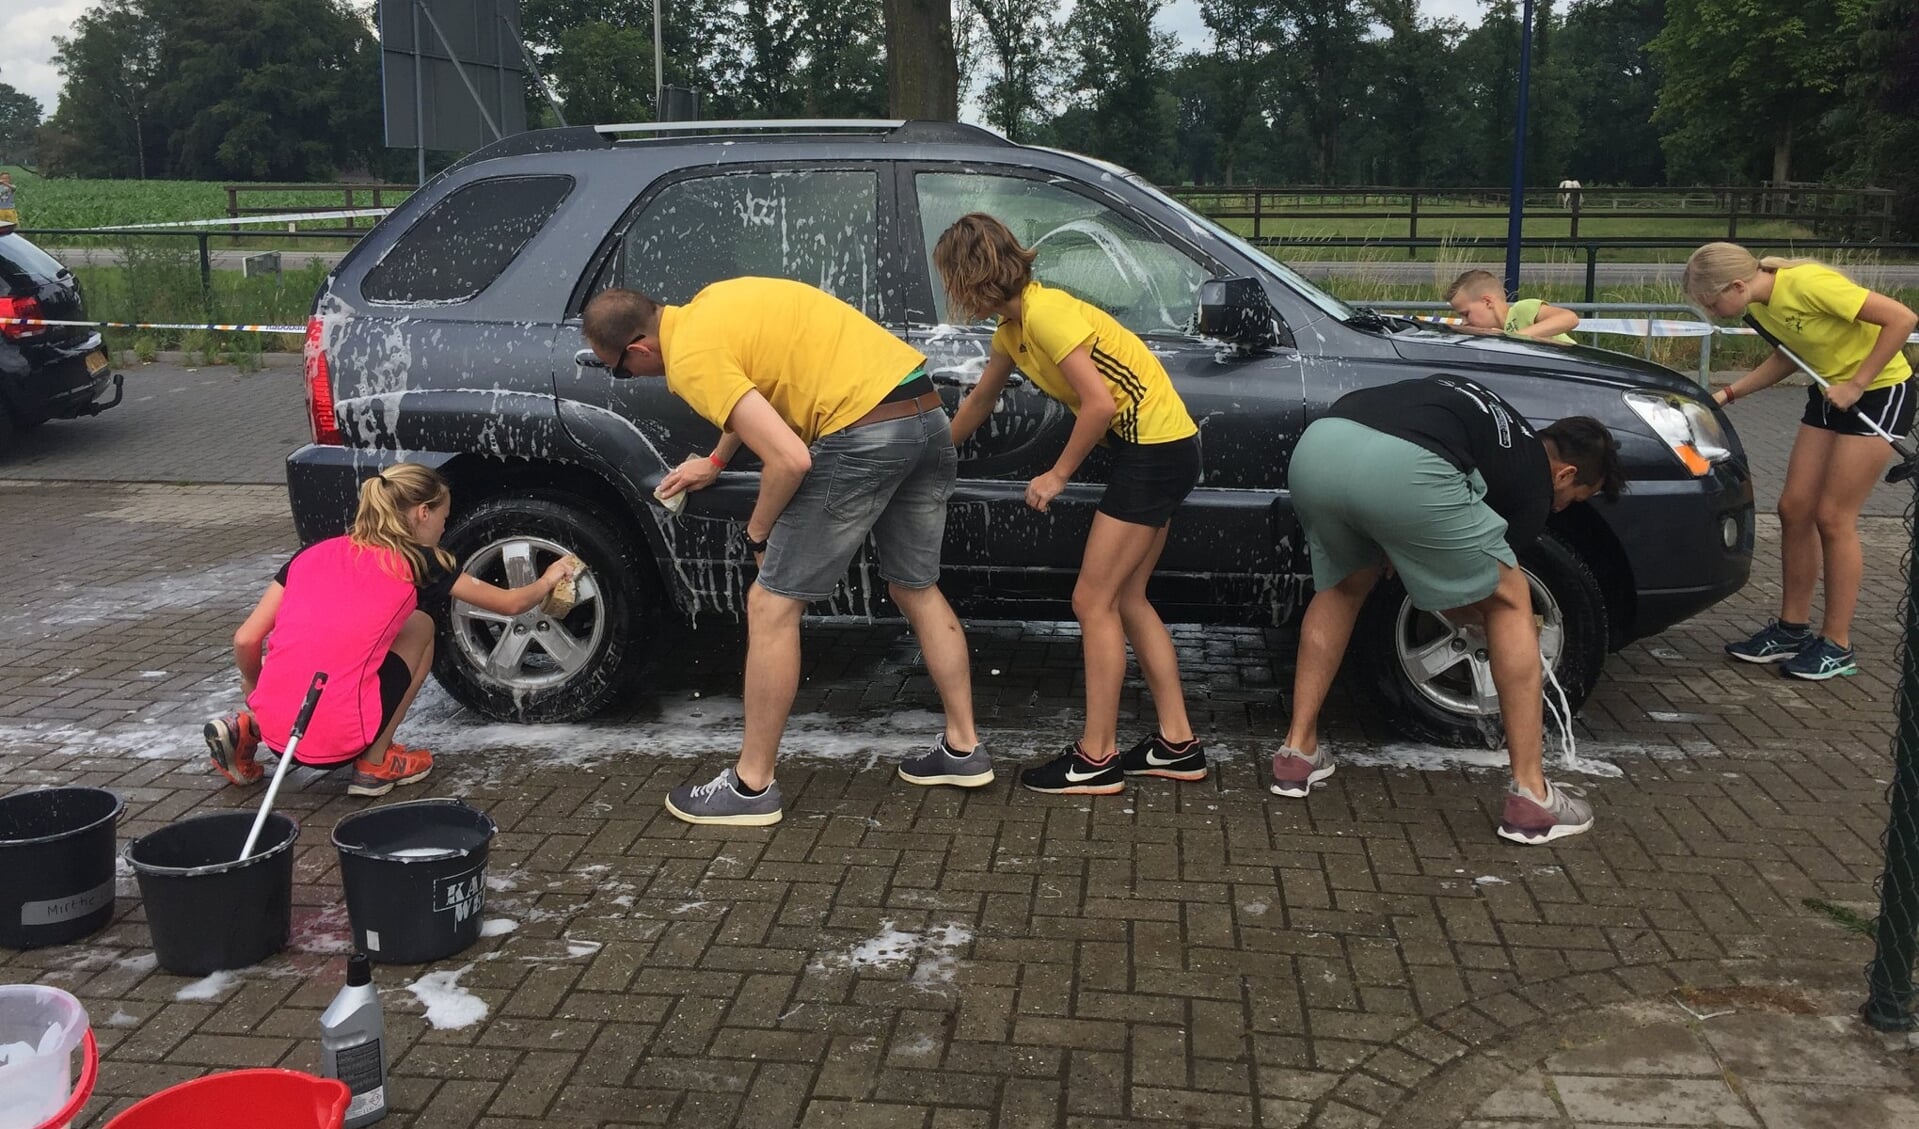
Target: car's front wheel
(536, 666)
(1432, 680)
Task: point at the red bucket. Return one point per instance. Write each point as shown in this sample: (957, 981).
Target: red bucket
(284, 1099)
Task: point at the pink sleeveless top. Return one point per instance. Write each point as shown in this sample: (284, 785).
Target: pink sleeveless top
(344, 605)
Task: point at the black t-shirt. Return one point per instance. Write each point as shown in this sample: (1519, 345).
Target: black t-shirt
(435, 593)
(1469, 426)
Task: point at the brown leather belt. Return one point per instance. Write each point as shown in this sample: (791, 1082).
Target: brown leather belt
(897, 409)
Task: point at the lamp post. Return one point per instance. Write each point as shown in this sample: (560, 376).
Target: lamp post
(659, 71)
(1516, 206)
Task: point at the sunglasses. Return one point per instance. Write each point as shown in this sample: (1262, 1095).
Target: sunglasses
(586, 358)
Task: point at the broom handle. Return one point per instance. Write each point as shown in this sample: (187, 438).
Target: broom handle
(279, 771)
(1802, 366)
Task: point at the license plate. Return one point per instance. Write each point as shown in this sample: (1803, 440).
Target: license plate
(96, 361)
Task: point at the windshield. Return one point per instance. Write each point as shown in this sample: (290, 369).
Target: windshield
(1293, 279)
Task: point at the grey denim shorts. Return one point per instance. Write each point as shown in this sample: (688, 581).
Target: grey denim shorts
(891, 480)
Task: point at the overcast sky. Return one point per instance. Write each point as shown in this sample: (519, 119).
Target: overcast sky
(27, 28)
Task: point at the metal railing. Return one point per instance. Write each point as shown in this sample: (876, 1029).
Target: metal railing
(1857, 211)
(368, 195)
(1591, 249)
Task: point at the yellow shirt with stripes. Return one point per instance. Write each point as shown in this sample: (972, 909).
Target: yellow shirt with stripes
(821, 363)
(1053, 324)
(1815, 311)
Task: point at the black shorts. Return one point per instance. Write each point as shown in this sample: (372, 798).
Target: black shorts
(1889, 407)
(395, 677)
(1148, 481)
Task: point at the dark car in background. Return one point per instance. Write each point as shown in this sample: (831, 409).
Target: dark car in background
(449, 337)
(46, 371)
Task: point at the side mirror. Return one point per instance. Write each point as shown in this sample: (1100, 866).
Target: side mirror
(1235, 310)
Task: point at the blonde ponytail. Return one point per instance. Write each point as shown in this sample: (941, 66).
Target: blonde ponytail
(385, 500)
(1716, 266)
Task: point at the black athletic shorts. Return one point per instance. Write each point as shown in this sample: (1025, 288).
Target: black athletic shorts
(395, 677)
(1889, 407)
(1148, 481)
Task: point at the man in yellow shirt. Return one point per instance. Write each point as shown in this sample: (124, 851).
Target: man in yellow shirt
(1479, 298)
(852, 440)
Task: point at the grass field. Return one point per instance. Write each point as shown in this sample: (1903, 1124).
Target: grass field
(63, 202)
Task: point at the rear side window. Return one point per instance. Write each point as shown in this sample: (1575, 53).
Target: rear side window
(817, 226)
(465, 240)
(19, 258)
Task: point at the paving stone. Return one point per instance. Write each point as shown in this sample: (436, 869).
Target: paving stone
(1658, 1048)
(1641, 1100)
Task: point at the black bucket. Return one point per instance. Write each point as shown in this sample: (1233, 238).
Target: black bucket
(415, 878)
(206, 911)
(56, 865)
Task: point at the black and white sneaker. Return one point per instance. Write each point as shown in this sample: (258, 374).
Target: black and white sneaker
(944, 766)
(1154, 756)
(1071, 774)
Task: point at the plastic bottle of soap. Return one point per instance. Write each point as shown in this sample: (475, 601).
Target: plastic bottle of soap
(353, 1043)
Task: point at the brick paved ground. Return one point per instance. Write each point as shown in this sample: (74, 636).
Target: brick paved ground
(1204, 954)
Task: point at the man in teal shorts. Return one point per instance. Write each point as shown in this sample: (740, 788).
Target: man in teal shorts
(1444, 483)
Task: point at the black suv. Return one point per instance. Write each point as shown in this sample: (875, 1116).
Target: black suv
(46, 371)
(449, 337)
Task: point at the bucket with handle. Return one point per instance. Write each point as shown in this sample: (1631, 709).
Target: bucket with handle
(415, 878)
(56, 864)
(282, 1099)
(40, 1028)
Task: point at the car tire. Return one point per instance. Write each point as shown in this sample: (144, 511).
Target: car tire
(1391, 637)
(521, 669)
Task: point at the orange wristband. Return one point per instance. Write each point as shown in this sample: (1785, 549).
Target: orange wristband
(718, 463)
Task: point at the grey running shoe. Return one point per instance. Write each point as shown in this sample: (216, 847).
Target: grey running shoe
(1528, 821)
(942, 765)
(1295, 773)
(1771, 644)
(1822, 659)
(720, 800)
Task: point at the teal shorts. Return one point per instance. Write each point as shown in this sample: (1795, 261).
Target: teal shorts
(1367, 499)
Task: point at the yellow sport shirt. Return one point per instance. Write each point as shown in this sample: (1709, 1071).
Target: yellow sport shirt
(821, 363)
(1053, 323)
(1815, 311)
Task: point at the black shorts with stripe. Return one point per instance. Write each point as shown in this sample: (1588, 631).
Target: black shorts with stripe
(1890, 407)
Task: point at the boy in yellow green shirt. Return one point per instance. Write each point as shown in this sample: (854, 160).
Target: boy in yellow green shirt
(1480, 298)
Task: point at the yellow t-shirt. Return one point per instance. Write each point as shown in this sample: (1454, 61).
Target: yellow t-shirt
(1524, 312)
(821, 363)
(1815, 311)
(1053, 323)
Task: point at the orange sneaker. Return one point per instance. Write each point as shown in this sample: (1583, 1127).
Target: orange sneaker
(232, 741)
(400, 765)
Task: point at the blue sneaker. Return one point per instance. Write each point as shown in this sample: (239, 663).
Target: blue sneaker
(944, 766)
(1771, 644)
(720, 801)
(1822, 659)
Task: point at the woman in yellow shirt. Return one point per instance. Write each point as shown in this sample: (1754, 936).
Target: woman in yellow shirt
(1854, 338)
(1121, 395)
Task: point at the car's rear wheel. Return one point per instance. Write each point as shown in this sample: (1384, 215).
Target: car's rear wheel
(1433, 680)
(535, 666)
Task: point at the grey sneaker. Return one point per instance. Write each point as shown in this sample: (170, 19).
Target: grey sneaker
(944, 766)
(1295, 773)
(720, 800)
(1528, 821)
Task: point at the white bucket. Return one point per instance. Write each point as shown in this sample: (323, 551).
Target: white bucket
(36, 1082)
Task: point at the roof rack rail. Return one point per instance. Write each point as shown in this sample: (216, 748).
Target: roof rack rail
(785, 125)
(888, 129)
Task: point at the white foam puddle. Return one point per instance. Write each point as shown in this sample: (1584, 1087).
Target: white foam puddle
(449, 1007)
(208, 988)
(934, 952)
(498, 926)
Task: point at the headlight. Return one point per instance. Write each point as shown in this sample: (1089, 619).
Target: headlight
(1688, 427)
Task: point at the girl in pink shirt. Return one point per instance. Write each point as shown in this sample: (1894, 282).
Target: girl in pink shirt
(351, 606)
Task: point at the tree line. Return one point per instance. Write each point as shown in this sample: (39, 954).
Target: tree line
(1630, 92)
